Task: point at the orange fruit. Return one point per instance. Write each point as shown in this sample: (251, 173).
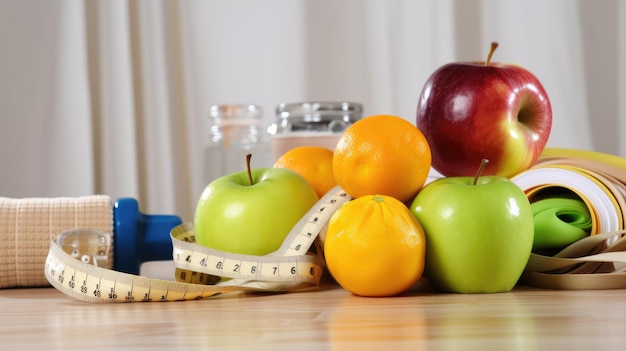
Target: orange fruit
(313, 163)
(384, 155)
(375, 246)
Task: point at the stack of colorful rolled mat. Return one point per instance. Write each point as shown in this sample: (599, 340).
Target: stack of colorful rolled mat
(579, 206)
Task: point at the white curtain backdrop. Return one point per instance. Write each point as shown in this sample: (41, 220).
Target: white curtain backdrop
(111, 96)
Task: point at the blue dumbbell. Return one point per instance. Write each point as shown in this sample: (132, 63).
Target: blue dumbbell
(139, 237)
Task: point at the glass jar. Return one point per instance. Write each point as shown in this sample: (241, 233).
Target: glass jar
(235, 131)
(311, 124)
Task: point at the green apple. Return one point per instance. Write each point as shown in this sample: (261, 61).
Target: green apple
(251, 212)
(479, 233)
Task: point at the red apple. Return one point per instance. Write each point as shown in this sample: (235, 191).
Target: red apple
(469, 111)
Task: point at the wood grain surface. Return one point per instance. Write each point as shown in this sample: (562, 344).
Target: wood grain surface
(325, 319)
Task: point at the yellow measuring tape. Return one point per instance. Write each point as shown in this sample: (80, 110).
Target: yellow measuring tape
(72, 264)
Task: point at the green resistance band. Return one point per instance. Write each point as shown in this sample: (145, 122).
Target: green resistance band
(560, 221)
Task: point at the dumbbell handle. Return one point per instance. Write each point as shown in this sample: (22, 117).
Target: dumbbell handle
(139, 237)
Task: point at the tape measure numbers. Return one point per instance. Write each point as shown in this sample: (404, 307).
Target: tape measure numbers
(72, 264)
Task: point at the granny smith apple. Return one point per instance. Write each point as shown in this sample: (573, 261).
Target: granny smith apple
(252, 211)
(473, 110)
(479, 233)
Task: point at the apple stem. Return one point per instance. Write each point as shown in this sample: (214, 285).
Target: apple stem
(483, 164)
(494, 46)
(248, 157)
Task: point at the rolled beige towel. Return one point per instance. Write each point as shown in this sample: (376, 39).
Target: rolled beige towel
(28, 226)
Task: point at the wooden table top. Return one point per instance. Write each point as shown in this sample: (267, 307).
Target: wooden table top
(325, 319)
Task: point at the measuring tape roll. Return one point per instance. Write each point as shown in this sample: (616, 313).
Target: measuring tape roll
(72, 264)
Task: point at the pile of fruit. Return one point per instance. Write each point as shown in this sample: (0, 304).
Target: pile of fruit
(470, 231)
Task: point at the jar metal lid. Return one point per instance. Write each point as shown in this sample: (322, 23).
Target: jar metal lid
(236, 114)
(316, 111)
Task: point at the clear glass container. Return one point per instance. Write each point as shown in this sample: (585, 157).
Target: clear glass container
(235, 131)
(311, 124)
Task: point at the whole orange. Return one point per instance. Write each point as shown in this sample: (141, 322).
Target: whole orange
(375, 246)
(313, 163)
(382, 154)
